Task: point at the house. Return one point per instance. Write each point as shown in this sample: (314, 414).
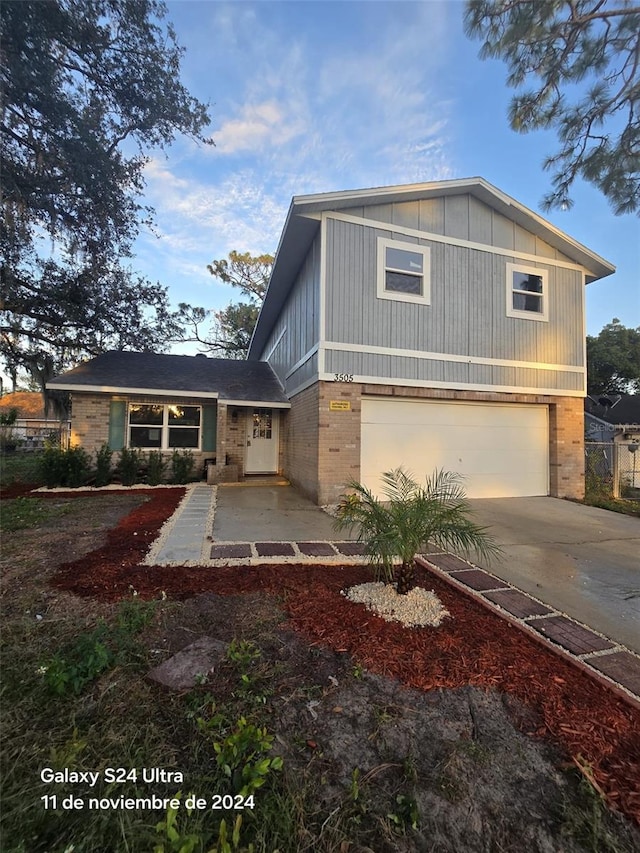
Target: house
(437, 325)
(612, 417)
(612, 434)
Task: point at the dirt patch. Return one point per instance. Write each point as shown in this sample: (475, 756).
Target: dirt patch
(465, 730)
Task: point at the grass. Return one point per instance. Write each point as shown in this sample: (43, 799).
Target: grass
(20, 468)
(621, 505)
(21, 513)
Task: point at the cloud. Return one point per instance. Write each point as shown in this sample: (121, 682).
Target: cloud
(257, 126)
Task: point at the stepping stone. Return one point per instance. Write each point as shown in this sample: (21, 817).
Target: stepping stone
(220, 552)
(181, 672)
(571, 636)
(316, 549)
(350, 549)
(622, 667)
(275, 549)
(477, 579)
(447, 562)
(517, 603)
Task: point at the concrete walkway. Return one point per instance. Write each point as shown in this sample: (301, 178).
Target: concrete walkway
(185, 537)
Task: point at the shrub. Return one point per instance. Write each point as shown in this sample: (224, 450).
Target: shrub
(103, 466)
(181, 466)
(155, 468)
(129, 466)
(70, 467)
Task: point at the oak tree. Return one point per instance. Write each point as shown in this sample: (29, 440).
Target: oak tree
(613, 360)
(90, 87)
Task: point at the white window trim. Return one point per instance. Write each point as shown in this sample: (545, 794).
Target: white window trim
(164, 427)
(539, 316)
(425, 297)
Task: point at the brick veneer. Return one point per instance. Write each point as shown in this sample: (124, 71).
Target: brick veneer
(320, 461)
(299, 430)
(90, 421)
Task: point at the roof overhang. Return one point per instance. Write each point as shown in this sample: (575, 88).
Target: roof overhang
(305, 214)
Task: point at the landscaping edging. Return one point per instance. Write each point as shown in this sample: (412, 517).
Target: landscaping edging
(582, 661)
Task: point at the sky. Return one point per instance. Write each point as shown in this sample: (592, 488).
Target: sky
(310, 97)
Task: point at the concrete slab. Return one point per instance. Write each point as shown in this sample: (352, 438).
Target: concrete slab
(269, 514)
(581, 560)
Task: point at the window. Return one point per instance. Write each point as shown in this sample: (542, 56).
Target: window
(158, 427)
(262, 423)
(403, 271)
(527, 292)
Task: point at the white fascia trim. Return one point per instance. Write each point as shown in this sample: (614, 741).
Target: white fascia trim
(462, 359)
(275, 346)
(457, 386)
(453, 241)
(147, 392)
(301, 361)
(258, 404)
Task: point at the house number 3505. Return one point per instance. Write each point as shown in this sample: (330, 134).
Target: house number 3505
(343, 377)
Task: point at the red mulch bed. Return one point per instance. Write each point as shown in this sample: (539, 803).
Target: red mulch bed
(598, 730)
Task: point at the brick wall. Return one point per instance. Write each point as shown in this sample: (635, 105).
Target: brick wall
(335, 449)
(299, 441)
(90, 421)
(566, 447)
(339, 439)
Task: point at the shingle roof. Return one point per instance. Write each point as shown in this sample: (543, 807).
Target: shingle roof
(180, 375)
(616, 409)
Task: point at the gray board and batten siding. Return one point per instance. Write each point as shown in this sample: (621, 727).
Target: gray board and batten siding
(466, 316)
(289, 347)
(325, 316)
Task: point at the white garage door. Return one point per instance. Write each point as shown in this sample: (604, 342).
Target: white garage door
(501, 450)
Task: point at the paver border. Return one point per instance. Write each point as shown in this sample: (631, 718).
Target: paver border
(580, 661)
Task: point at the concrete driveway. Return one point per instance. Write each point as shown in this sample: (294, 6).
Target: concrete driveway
(582, 560)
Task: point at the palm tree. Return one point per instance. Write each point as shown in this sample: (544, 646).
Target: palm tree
(412, 516)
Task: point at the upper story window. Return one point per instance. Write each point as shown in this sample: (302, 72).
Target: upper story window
(160, 427)
(527, 292)
(403, 271)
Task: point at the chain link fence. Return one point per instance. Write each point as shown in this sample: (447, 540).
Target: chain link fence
(612, 469)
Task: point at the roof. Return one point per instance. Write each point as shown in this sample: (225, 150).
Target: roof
(621, 410)
(28, 403)
(304, 216)
(233, 381)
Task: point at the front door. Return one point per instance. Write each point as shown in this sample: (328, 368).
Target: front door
(262, 442)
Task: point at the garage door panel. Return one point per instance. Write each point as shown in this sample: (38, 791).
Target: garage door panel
(500, 450)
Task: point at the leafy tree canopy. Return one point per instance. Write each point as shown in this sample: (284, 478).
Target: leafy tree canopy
(89, 86)
(232, 327)
(613, 360)
(580, 60)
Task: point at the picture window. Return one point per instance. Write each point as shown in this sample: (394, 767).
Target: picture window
(164, 427)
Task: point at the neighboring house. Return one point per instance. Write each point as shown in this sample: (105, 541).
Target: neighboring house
(612, 417)
(432, 325)
(612, 432)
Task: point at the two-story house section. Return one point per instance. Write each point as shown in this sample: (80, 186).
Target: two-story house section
(434, 326)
